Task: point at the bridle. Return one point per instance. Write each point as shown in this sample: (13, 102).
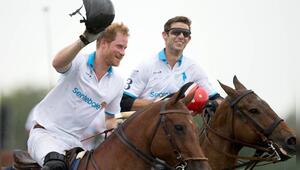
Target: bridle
(264, 133)
(150, 158)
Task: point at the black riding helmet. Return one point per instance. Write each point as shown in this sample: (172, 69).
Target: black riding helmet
(99, 15)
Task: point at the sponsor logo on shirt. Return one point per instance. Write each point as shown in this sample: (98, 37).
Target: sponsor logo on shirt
(86, 99)
(157, 72)
(158, 94)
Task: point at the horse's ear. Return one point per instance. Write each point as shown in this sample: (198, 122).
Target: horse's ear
(237, 84)
(188, 98)
(176, 97)
(230, 91)
(189, 92)
(182, 93)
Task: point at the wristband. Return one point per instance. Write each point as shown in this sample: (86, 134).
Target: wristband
(84, 40)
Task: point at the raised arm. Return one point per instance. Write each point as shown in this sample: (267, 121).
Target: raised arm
(62, 60)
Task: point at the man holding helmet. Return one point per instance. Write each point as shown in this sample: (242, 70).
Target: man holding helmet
(88, 87)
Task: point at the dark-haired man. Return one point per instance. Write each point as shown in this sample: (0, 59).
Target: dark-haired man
(168, 71)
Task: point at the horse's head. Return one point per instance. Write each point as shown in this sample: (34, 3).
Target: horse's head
(175, 140)
(162, 135)
(254, 122)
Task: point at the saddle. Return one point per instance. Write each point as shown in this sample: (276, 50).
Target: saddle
(23, 161)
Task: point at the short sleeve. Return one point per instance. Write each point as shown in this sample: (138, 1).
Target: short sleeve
(200, 77)
(114, 107)
(137, 81)
(77, 61)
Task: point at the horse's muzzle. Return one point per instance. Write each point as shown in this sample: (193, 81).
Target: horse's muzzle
(288, 149)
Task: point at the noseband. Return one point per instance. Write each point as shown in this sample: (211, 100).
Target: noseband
(150, 159)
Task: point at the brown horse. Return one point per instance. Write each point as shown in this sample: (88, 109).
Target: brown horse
(163, 135)
(6, 157)
(244, 119)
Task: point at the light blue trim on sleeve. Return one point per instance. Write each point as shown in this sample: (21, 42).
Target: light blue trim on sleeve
(212, 93)
(130, 95)
(110, 114)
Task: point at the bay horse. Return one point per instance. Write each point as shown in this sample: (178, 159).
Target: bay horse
(6, 157)
(161, 136)
(243, 119)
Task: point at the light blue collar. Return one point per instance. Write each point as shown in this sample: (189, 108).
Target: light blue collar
(91, 60)
(162, 56)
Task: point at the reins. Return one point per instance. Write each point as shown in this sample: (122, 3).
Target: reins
(182, 162)
(97, 134)
(149, 158)
(233, 141)
(263, 133)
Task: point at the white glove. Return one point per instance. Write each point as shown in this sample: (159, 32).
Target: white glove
(87, 37)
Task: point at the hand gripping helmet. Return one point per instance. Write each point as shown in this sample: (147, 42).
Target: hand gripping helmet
(99, 15)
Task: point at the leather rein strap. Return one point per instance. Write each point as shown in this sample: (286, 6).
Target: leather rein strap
(150, 159)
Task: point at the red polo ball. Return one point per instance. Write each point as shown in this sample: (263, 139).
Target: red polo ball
(198, 102)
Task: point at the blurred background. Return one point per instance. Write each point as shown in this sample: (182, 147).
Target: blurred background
(256, 40)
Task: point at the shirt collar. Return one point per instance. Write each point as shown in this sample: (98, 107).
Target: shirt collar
(91, 60)
(162, 56)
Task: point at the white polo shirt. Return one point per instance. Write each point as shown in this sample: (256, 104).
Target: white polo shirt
(79, 97)
(155, 78)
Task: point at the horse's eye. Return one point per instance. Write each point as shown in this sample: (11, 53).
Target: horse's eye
(179, 127)
(254, 111)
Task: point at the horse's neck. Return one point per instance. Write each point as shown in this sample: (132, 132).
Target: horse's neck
(216, 147)
(142, 127)
(112, 149)
(114, 155)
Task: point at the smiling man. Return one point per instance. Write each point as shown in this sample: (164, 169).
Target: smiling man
(89, 87)
(168, 71)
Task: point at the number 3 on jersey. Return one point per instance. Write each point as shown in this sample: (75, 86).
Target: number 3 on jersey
(128, 83)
